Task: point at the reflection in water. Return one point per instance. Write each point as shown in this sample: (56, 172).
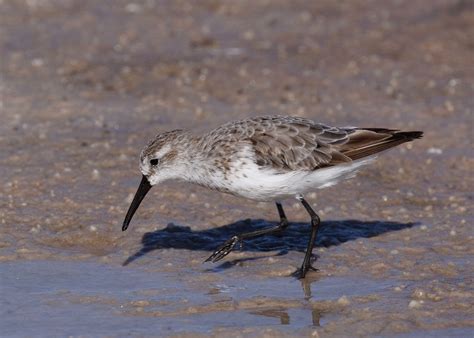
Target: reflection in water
(281, 314)
(307, 282)
(316, 316)
(285, 318)
(284, 315)
(306, 286)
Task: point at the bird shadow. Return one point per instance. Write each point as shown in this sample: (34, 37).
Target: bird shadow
(293, 238)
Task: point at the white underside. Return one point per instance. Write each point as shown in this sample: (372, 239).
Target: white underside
(252, 182)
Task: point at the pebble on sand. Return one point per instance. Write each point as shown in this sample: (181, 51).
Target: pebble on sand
(344, 301)
(95, 174)
(434, 151)
(415, 304)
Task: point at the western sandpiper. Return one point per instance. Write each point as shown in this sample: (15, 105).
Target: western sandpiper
(268, 158)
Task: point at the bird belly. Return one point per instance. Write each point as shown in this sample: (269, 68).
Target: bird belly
(267, 184)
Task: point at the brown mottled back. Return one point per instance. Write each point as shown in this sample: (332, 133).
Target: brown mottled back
(294, 143)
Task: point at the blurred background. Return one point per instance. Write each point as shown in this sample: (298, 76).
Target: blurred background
(85, 84)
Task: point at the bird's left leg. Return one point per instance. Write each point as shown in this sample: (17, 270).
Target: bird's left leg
(229, 245)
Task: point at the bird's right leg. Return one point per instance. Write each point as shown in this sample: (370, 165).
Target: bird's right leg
(229, 245)
(315, 221)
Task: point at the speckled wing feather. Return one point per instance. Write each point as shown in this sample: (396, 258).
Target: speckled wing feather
(289, 143)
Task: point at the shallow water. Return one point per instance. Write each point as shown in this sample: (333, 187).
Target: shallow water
(85, 84)
(76, 298)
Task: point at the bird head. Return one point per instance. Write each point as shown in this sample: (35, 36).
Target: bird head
(159, 161)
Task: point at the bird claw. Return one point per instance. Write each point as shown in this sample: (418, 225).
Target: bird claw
(224, 249)
(301, 272)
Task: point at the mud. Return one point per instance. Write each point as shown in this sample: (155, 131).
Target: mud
(85, 84)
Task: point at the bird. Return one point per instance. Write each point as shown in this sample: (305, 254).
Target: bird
(267, 158)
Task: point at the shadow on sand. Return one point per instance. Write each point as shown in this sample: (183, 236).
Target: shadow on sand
(294, 238)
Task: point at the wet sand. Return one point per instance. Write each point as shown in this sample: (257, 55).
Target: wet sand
(85, 84)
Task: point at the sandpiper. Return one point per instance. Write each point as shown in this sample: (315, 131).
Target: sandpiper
(267, 158)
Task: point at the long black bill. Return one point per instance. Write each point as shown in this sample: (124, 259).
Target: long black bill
(139, 195)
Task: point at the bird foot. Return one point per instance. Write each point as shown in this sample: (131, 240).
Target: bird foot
(224, 249)
(301, 272)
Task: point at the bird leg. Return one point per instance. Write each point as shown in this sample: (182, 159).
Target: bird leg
(315, 221)
(229, 245)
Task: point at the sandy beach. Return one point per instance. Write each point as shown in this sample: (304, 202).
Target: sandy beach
(84, 85)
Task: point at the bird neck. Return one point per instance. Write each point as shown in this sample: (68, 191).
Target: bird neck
(199, 164)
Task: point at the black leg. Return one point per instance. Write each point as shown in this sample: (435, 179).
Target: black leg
(314, 231)
(227, 247)
(281, 213)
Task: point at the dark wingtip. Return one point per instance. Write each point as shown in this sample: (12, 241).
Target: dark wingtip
(411, 134)
(397, 133)
(389, 138)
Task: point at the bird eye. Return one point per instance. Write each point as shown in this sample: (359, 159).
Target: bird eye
(154, 161)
